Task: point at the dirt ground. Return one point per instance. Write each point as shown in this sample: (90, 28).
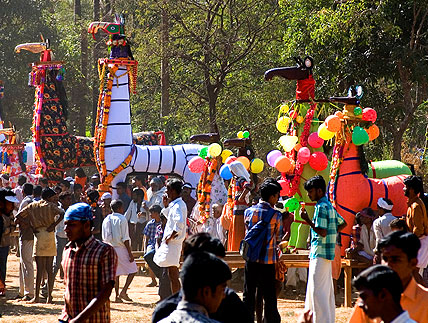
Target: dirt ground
(144, 298)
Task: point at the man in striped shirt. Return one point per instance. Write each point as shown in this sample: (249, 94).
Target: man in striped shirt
(89, 269)
(260, 275)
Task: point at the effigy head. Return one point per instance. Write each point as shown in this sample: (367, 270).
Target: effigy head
(117, 44)
(299, 72)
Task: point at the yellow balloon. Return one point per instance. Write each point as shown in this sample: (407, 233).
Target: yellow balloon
(288, 142)
(282, 124)
(257, 165)
(284, 108)
(240, 134)
(214, 150)
(323, 133)
(226, 154)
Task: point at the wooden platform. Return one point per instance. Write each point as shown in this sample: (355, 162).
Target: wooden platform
(301, 260)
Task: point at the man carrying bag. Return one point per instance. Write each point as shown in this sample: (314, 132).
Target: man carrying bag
(259, 249)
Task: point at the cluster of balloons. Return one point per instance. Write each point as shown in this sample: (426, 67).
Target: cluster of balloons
(243, 134)
(361, 136)
(284, 120)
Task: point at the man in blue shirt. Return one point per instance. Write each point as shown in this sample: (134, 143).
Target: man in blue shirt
(325, 225)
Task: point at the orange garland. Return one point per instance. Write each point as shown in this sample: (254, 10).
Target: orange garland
(204, 188)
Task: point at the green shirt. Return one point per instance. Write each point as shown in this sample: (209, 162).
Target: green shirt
(325, 217)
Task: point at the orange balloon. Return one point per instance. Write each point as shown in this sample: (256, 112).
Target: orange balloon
(339, 114)
(244, 160)
(333, 123)
(283, 164)
(373, 132)
(298, 146)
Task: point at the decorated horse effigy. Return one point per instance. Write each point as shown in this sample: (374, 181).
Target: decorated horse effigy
(303, 144)
(56, 150)
(116, 153)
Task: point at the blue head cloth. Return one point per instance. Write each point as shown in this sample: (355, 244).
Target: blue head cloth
(78, 212)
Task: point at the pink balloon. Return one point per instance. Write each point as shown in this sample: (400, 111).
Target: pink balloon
(230, 160)
(196, 164)
(318, 161)
(315, 141)
(285, 188)
(272, 156)
(303, 155)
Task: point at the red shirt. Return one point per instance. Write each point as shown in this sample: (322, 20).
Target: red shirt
(86, 270)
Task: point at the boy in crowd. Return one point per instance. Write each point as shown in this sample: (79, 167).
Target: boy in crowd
(150, 243)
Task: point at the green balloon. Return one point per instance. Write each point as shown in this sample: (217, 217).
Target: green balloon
(246, 134)
(360, 136)
(358, 111)
(203, 152)
(292, 204)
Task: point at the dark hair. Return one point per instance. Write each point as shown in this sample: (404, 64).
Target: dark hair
(77, 186)
(163, 218)
(64, 195)
(80, 172)
(57, 189)
(65, 183)
(315, 182)
(407, 242)
(93, 195)
(5, 191)
(155, 209)
(22, 180)
(269, 188)
(47, 193)
(44, 180)
(115, 205)
(175, 184)
(369, 211)
(414, 182)
(138, 191)
(122, 185)
(202, 241)
(399, 224)
(379, 277)
(28, 189)
(37, 191)
(201, 269)
(138, 178)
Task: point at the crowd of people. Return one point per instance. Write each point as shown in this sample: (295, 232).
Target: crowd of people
(89, 239)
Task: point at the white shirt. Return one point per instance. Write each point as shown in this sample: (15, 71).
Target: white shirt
(59, 229)
(368, 243)
(131, 213)
(381, 226)
(115, 230)
(156, 198)
(403, 318)
(176, 220)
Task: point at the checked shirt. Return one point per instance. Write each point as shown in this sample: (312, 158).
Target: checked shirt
(86, 270)
(325, 217)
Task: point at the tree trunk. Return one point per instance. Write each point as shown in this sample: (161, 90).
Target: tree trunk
(396, 145)
(212, 104)
(165, 72)
(95, 54)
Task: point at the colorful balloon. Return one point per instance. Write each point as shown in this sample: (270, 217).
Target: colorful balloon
(292, 204)
(318, 161)
(285, 188)
(272, 156)
(257, 165)
(358, 111)
(240, 134)
(203, 152)
(293, 114)
(333, 123)
(282, 124)
(225, 172)
(246, 134)
(323, 133)
(284, 108)
(244, 160)
(299, 119)
(360, 136)
(283, 164)
(373, 132)
(339, 114)
(369, 114)
(303, 155)
(315, 141)
(225, 154)
(214, 150)
(288, 142)
(196, 164)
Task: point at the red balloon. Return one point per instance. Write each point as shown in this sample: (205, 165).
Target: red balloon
(196, 164)
(318, 161)
(230, 160)
(315, 141)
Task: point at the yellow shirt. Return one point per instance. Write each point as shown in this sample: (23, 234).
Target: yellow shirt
(414, 300)
(416, 217)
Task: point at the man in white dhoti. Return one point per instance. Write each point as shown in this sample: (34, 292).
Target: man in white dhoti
(169, 252)
(324, 227)
(115, 232)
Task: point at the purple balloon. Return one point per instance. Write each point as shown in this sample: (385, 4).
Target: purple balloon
(272, 156)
